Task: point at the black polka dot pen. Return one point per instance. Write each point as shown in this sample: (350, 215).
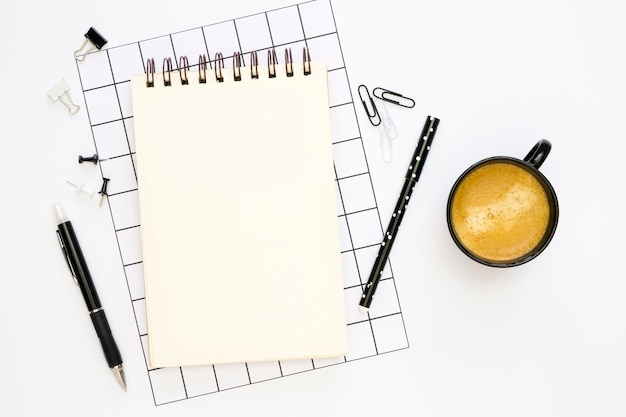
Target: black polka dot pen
(412, 176)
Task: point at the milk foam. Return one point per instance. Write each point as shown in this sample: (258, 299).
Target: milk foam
(503, 212)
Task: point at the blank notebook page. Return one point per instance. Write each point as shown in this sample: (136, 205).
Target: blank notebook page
(238, 213)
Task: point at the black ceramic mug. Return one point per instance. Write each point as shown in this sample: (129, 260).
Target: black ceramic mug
(502, 211)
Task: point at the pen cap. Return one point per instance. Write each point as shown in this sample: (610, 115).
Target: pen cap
(60, 213)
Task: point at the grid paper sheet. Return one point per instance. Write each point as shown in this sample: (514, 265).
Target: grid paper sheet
(105, 80)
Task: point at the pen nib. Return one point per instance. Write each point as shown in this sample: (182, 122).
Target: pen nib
(119, 375)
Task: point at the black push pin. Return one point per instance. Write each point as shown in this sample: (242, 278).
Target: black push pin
(103, 190)
(93, 159)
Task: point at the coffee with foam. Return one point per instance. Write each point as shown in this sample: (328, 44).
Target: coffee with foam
(500, 211)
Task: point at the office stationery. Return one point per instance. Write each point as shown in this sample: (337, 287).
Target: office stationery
(81, 189)
(369, 105)
(93, 41)
(103, 189)
(239, 229)
(78, 267)
(393, 97)
(105, 82)
(412, 176)
(386, 133)
(61, 93)
(93, 158)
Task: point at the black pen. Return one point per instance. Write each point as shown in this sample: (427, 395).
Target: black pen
(412, 176)
(80, 272)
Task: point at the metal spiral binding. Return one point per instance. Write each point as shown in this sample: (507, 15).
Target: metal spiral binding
(203, 63)
(182, 70)
(271, 63)
(254, 65)
(306, 60)
(150, 73)
(167, 64)
(288, 62)
(237, 66)
(219, 66)
(202, 69)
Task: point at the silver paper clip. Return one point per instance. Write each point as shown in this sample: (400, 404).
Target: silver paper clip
(386, 132)
(372, 113)
(61, 92)
(392, 97)
(94, 40)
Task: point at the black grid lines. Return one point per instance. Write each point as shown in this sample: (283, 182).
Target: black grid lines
(105, 83)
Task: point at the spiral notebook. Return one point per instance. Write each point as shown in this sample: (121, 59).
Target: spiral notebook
(237, 201)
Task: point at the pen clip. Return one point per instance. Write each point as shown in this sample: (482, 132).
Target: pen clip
(67, 257)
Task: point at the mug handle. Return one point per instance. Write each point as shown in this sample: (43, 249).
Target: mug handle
(538, 153)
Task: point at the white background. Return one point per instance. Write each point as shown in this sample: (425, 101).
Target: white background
(543, 339)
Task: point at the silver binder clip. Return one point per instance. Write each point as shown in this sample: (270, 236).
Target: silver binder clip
(93, 40)
(386, 131)
(61, 93)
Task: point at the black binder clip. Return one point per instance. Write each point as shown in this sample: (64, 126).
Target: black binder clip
(372, 113)
(392, 97)
(92, 37)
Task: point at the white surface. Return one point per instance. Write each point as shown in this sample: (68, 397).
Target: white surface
(543, 339)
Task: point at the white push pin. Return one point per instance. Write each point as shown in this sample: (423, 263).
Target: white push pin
(92, 194)
(61, 93)
(80, 189)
